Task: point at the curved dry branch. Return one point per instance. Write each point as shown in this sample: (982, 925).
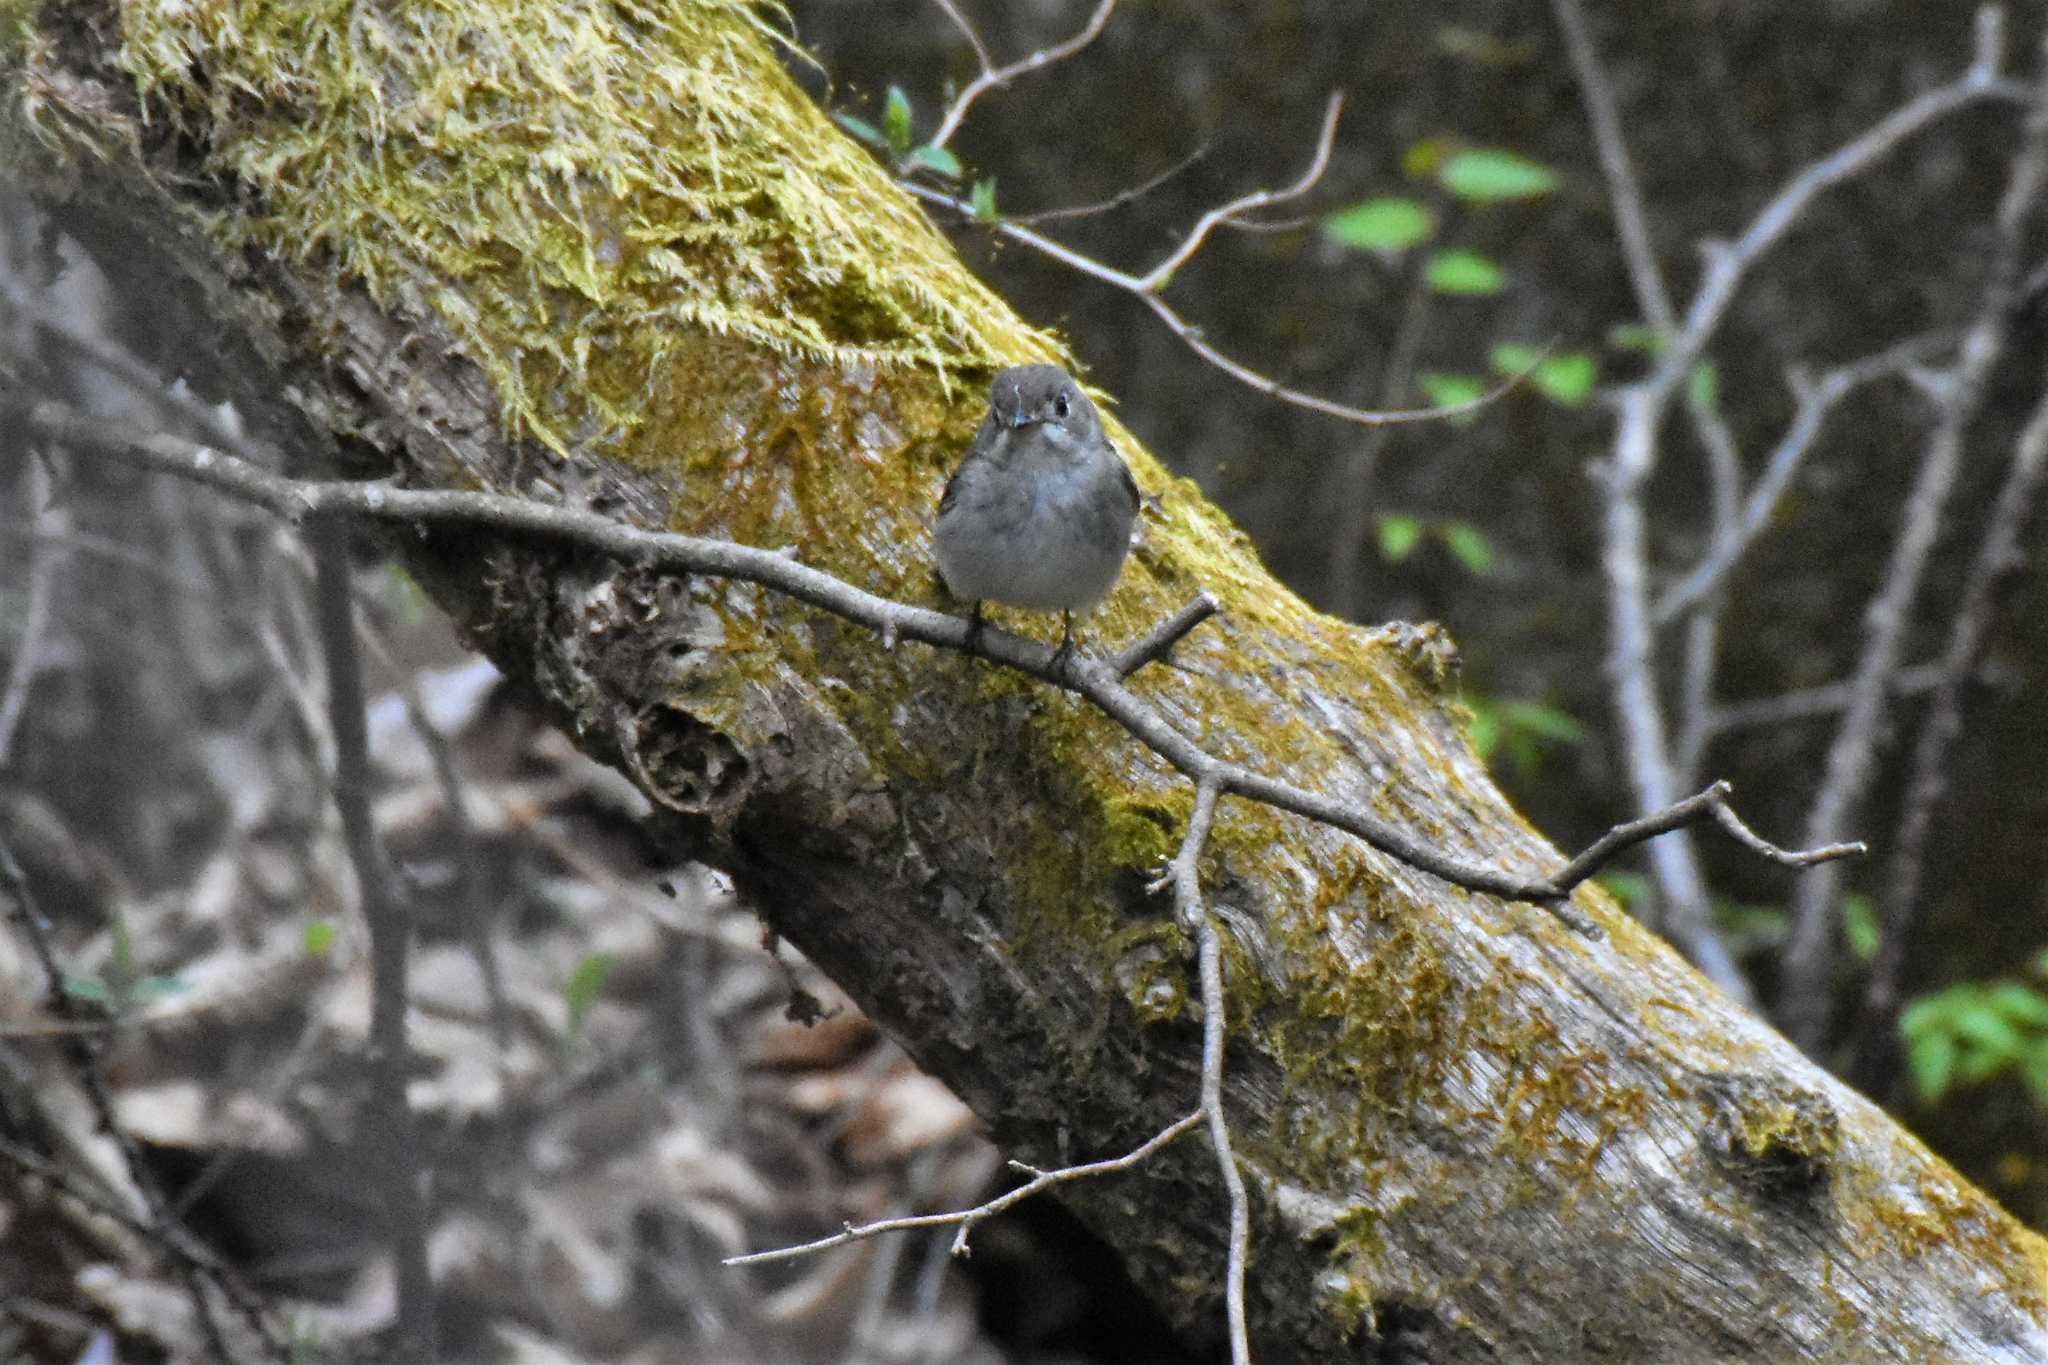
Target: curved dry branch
(1149, 286)
(992, 77)
(1096, 680)
(964, 1220)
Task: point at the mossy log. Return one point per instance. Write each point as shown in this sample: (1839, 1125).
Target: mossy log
(615, 253)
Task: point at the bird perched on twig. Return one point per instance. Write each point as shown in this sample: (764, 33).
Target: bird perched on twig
(1039, 514)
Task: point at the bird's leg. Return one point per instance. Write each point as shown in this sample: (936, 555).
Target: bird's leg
(974, 624)
(1065, 652)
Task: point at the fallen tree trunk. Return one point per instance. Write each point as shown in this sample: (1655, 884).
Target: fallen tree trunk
(624, 264)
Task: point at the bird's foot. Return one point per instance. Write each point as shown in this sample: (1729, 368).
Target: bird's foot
(972, 647)
(1064, 655)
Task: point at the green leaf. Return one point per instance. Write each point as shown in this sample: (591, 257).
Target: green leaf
(1422, 158)
(318, 937)
(1988, 1029)
(1567, 378)
(1482, 727)
(1389, 223)
(1470, 545)
(1512, 357)
(1931, 1058)
(1630, 888)
(1976, 1065)
(2034, 1071)
(2021, 1004)
(1545, 722)
(938, 159)
(1449, 390)
(1463, 272)
(1635, 336)
(1398, 536)
(1703, 386)
(983, 197)
(121, 963)
(896, 120)
(158, 987)
(1859, 927)
(1491, 175)
(1760, 924)
(862, 129)
(88, 988)
(586, 983)
(1928, 1014)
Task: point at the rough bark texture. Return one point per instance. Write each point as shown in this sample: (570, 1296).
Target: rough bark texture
(619, 256)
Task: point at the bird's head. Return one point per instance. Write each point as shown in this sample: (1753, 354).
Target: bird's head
(1043, 395)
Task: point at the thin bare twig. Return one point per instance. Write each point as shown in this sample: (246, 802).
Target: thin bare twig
(1149, 286)
(1350, 483)
(1301, 398)
(965, 1219)
(1158, 642)
(1631, 222)
(1184, 875)
(1998, 559)
(993, 77)
(1810, 954)
(1712, 803)
(145, 381)
(1632, 676)
(1130, 194)
(388, 1113)
(1094, 679)
(477, 912)
(1160, 275)
(43, 555)
(1816, 398)
(1210, 949)
(1624, 192)
(1728, 265)
(1810, 703)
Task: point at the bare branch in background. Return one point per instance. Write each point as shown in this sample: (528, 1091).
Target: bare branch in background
(1129, 195)
(1349, 485)
(1653, 765)
(477, 913)
(1815, 399)
(398, 1157)
(1810, 956)
(1998, 559)
(1812, 703)
(45, 550)
(993, 77)
(1160, 275)
(1149, 287)
(1617, 168)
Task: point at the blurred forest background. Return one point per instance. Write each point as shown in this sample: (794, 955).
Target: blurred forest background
(618, 1098)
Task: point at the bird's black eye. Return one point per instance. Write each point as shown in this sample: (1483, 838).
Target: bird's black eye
(1061, 406)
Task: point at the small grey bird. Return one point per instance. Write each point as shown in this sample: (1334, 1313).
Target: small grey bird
(1039, 513)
